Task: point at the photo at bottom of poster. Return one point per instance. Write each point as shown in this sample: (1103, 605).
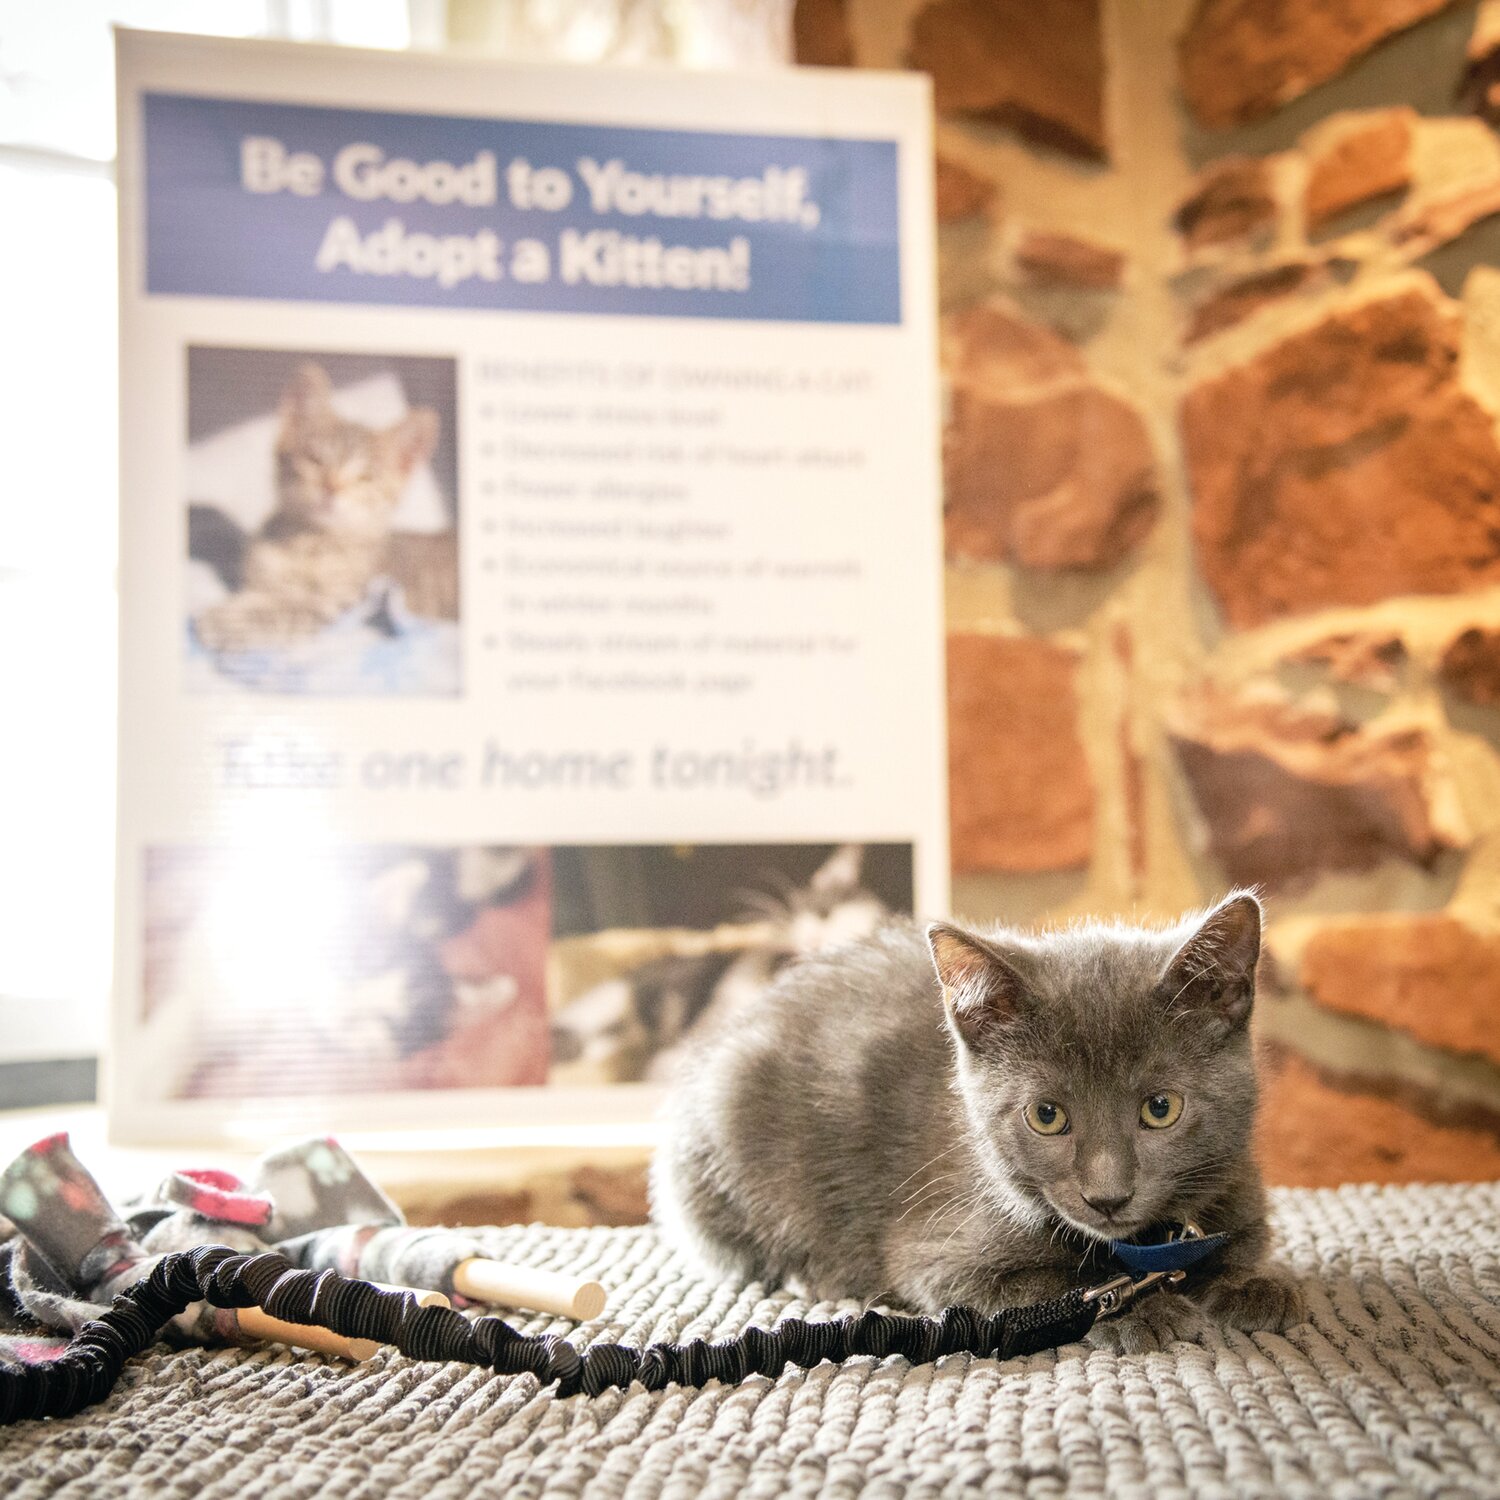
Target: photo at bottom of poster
(369, 971)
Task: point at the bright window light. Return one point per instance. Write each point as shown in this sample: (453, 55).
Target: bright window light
(59, 496)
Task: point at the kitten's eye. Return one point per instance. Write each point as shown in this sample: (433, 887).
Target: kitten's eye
(1047, 1118)
(1161, 1110)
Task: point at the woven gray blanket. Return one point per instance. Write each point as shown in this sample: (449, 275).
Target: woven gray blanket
(1392, 1388)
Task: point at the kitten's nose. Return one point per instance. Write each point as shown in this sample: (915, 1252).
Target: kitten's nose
(1108, 1206)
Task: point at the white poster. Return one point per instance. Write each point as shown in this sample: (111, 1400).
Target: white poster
(530, 573)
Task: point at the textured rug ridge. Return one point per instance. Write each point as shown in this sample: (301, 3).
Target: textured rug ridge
(1391, 1388)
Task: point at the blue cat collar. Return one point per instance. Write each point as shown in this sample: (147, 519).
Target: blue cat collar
(1151, 1267)
(1180, 1252)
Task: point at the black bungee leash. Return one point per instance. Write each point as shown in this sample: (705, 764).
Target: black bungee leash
(87, 1370)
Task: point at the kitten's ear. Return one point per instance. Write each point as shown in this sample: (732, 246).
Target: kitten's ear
(840, 871)
(982, 992)
(307, 397)
(412, 440)
(1213, 973)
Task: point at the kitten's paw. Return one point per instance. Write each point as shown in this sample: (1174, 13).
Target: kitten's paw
(1264, 1303)
(1137, 1334)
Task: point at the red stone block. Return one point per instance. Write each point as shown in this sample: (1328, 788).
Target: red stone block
(961, 194)
(1427, 974)
(1065, 480)
(1230, 200)
(1036, 66)
(1022, 797)
(992, 344)
(1241, 60)
(1371, 159)
(1286, 794)
(820, 34)
(1344, 465)
(1232, 304)
(1318, 1129)
(1470, 666)
(1050, 259)
(1042, 466)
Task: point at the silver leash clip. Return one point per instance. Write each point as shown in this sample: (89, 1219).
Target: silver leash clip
(1116, 1294)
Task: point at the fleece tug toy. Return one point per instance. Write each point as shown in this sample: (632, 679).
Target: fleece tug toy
(72, 1252)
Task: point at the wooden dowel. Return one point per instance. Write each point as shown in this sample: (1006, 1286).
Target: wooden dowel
(261, 1325)
(425, 1297)
(520, 1286)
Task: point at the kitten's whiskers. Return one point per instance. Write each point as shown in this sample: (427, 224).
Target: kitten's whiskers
(956, 1146)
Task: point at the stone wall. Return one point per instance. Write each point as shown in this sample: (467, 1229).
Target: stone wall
(1222, 349)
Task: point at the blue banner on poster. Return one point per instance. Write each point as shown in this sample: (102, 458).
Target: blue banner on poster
(300, 203)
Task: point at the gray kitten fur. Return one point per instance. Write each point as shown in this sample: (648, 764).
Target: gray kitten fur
(860, 1129)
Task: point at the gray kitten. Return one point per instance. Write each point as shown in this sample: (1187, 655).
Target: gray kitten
(871, 1128)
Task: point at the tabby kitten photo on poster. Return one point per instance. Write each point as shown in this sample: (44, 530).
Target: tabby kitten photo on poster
(321, 523)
